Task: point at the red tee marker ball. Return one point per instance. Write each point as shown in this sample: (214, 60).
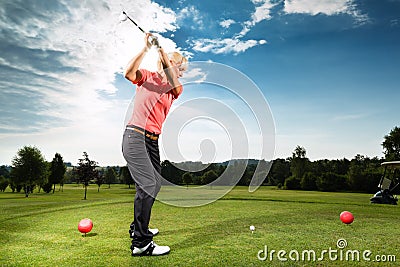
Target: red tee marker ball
(346, 217)
(85, 226)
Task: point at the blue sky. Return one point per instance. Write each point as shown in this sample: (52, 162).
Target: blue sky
(328, 69)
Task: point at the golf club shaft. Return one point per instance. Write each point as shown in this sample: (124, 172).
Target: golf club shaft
(133, 21)
(153, 40)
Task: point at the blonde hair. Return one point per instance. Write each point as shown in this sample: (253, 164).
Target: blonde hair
(177, 58)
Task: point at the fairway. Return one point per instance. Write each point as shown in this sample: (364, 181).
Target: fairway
(42, 230)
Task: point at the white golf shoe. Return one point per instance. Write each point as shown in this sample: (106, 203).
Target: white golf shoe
(154, 231)
(152, 249)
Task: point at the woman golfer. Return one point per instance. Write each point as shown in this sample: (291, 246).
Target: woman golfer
(155, 92)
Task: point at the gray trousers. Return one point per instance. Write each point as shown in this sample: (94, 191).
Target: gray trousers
(143, 159)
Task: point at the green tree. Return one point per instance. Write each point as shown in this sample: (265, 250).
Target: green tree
(280, 170)
(391, 145)
(167, 170)
(5, 180)
(298, 164)
(356, 173)
(29, 167)
(125, 176)
(4, 171)
(47, 187)
(57, 171)
(171, 173)
(62, 182)
(3, 183)
(110, 176)
(99, 180)
(298, 167)
(307, 182)
(341, 166)
(331, 182)
(364, 174)
(372, 178)
(86, 171)
(187, 178)
(43, 182)
(70, 176)
(292, 183)
(209, 177)
(248, 174)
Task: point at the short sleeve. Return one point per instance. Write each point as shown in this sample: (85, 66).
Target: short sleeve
(145, 76)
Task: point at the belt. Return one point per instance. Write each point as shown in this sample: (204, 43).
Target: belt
(152, 136)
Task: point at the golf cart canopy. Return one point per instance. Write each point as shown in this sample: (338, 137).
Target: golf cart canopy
(391, 164)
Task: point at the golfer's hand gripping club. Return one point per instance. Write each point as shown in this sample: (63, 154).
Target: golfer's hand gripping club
(151, 40)
(154, 42)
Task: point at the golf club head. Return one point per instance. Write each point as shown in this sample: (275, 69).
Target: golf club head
(123, 17)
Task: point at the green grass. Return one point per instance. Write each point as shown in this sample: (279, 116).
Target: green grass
(42, 230)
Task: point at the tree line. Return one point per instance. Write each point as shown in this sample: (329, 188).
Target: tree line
(29, 170)
(360, 174)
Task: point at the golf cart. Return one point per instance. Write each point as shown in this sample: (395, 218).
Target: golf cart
(389, 182)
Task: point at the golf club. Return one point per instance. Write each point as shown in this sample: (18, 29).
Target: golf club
(125, 16)
(153, 39)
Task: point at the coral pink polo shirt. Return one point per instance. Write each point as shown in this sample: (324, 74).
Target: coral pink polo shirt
(152, 102)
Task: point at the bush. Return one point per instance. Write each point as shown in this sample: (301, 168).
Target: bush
(331, 182)
(292, 183)
(308, 181)
(355, 177)
(18, 188)
(371, 182)
(47, 187)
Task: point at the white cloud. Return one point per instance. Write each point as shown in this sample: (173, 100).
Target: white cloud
(327, 7)
(235, 44)
(263, 11)
(223, 46)
(226, 23)
(69, 54)
(190, 12)
(348, 117)
(194, 75)
(314, 7)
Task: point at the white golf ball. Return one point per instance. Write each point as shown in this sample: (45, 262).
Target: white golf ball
(122, 17)
(252, 228)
